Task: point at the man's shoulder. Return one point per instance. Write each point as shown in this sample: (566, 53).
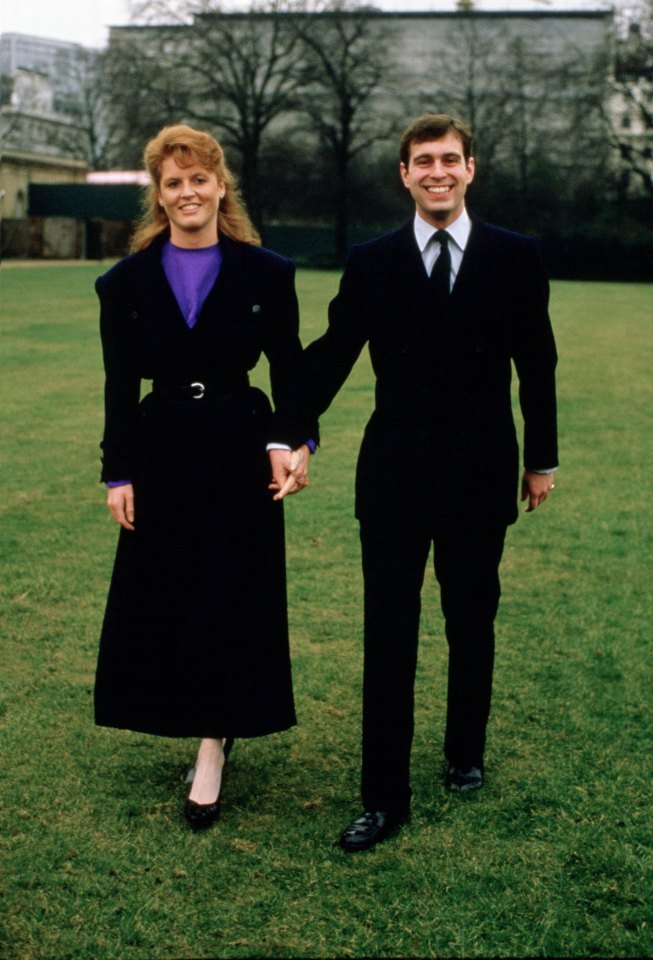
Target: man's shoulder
(500, 236)
(389, 239)
(387, 244)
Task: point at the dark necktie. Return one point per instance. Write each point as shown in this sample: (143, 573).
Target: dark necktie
(441, 273)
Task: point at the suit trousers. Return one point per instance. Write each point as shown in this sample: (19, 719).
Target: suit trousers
(466, 559)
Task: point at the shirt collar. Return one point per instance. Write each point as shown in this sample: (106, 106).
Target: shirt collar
(459, 231)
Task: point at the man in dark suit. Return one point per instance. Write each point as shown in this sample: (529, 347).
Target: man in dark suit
(447, 304)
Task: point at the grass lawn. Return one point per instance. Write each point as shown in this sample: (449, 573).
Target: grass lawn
(552, 859)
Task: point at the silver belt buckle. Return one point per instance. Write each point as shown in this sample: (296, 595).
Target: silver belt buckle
(199, 389)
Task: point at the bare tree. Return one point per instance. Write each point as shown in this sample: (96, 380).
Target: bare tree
(471, 85)
(630, 119)
(345, 62)
(144, 94)
(234, 73)
(256, 79)
(532, 97)
(82, 95)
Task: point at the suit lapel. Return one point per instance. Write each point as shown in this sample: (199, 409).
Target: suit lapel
(404, 256)
(475, 262)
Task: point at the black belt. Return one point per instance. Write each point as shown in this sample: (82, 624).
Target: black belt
(199, 390)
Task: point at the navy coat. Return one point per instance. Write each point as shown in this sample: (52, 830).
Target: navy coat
(195, 634)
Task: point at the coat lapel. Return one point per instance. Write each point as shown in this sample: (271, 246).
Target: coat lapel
(155, 290)
(231, 276)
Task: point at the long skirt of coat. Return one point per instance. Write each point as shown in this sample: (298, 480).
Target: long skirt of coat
(195, 635)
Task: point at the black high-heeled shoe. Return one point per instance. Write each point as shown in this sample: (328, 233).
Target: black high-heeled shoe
(202, 815)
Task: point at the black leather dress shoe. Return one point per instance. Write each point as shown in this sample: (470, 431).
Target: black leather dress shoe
(460, 780)
(202, 815)
(373, 827)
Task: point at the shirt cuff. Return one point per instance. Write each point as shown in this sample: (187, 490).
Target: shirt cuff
(311, 444)
(117, 483)
(548, 470)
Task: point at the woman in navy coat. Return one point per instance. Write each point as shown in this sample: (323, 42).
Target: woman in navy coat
(195, 636)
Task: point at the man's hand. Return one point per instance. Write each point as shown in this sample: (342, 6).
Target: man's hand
(289, 471)
(120, 501)
(535, 488)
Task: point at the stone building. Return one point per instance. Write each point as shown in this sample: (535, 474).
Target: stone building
(39, 138)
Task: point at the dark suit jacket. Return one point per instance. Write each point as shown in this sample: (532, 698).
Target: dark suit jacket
(252, 308)
(442, 437)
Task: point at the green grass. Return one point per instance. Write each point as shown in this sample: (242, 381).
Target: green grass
(553, 858)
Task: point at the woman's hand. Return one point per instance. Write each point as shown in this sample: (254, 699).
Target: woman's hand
(289, 471)
(120, 501)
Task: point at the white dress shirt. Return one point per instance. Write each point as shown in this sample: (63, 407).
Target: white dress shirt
(458, 231)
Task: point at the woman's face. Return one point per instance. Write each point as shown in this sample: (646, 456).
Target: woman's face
(190, 197)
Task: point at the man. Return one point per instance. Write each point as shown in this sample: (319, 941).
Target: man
(445, 304)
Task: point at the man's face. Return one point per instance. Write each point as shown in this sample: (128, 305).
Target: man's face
(437, 177)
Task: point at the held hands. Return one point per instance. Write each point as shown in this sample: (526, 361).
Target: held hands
(120, 501)
(289, 475)
(289, 471)
(535, 488)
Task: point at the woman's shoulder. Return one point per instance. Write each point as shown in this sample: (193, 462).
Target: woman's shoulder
(257, 256)
(125, 271)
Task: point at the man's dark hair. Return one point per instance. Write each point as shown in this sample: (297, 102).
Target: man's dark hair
(434, 126)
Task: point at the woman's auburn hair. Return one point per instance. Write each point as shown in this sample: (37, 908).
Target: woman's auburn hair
(188, 147)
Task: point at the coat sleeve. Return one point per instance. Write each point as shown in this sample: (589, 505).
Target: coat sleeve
(122, 383)
(534, 353)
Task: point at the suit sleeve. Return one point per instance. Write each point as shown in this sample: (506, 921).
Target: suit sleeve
(534, 353)
(291, 422)
(122, 384)
(330, 358)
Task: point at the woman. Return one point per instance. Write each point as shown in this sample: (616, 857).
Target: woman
(195, 636)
